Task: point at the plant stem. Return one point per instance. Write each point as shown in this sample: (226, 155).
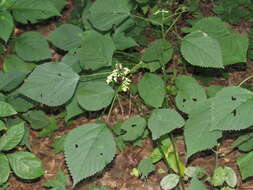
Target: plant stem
(113, 101)
(245, 80)
(92, 75)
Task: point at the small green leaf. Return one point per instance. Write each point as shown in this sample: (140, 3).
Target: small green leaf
(66, 37)
(199, 49)
(196, 185)
(245, 163)
(37, 119)
(50, 129)
(219, 177)
(11, 80)
(4, 169)
(163, 121)
(196, 171)
(52, 84)
(134, 128)
(230, 176)
(6, 25)
(169, 182)
(32, 42)
(145, 167)
(58, 144)
(123, 42)
(59, 183)
(14, 63)
(71, 59)
(2, 125)
(12, 137)
(25, 165)
(91, 146)
(73, 108)
(152, 90)
(6, 109)
(94, 95)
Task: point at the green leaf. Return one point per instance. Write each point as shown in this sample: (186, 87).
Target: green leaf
(4, 169)
(123, 42)
(14, 63)
(158, 51)
(245, 163)
(52, 84)
(73, 108)
(198, 136)
(189, 93)
(230, 176)
(66, 37)
(104, 14)
(59, 4)
(194, 171)
(96, 51)
(11, 80)
(50, 129)
(219, 177)
(71, 59)
(95, 95)
(32, 42)
(231, 109)
(145, 167)
(233, 46)
(25, 11)
(6, 109)
(59, 183)
(212, 90)
(199, 49)
(91, 146)
(152, 90)
(2, 125)
(6, 25)
(25, 165)
(196, 185)
(58, 144)
(134, 128)
(163, 121)
(12, 137)
(169, 182)
(37, 119)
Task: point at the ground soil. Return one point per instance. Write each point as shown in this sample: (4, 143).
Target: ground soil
(117, 175)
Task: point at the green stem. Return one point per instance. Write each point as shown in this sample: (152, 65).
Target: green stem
(245, 80)
(82, 79)
(113, 101)
(146, 19)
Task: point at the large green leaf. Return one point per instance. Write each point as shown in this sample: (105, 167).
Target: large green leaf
(245, 163)
(134, 128)
(4, 169)
(11, 80)
(200, 49)
(163, 121)
(6, 109)
(96, 51)
(14, 63)
(12, 137)
(189, 93)
(26, 11)
(66, 37)
(94, 95)
(198, 136)
(104, 14)
(52, 84)
(88, 149)
(6, 25)
(32, 42)
(25, 165)
(152, 90)
(232, 109)
(233, 46)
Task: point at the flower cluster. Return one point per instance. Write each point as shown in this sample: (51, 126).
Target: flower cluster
(119, 75)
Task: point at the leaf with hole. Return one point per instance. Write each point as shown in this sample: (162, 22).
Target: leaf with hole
(52, 84)
(88, 149)
(189, 93)
(134, 128)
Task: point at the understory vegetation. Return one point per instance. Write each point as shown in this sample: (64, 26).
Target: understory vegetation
(92, 82)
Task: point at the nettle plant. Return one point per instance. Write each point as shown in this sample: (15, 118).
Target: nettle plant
(99, 59)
